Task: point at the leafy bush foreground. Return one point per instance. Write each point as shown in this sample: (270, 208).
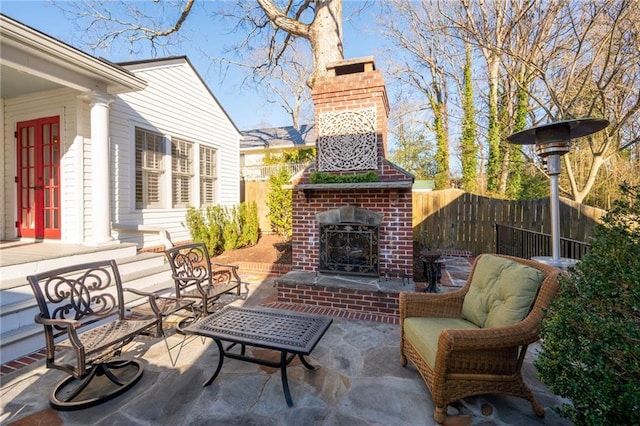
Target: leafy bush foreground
(224, 228)
(591, 336)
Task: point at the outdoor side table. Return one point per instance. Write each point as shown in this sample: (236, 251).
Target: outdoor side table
(432, 269)
(291, 333)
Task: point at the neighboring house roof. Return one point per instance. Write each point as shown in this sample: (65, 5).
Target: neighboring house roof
(33, 61)
(424, 185)
(135, 65)
(278, 138)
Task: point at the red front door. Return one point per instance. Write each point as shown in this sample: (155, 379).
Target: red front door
(39, 178)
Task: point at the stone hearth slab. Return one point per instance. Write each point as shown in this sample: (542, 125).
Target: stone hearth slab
(351, 282)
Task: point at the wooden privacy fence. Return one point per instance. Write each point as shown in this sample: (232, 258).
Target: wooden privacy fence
(454, 219)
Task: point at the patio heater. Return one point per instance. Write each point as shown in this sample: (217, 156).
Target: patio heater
(552, 141)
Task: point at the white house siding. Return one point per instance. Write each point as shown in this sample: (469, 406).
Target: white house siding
(175, 104)
(62, 103)
(6, 206)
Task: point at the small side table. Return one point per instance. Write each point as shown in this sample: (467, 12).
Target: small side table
(432, 269)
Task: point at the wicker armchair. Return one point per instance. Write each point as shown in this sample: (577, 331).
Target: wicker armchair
(82, 309)
(199, 279)
(458, 358)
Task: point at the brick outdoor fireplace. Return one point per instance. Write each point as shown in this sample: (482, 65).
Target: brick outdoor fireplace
(351, 238)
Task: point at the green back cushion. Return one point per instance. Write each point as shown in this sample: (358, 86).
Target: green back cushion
(501, 293)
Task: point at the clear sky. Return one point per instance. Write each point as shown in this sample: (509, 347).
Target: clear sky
(245, 108)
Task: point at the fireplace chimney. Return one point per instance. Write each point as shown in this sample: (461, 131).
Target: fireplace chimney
(351, 111)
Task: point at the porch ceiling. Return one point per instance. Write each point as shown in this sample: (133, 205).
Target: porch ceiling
(15, 83)
(28, 56)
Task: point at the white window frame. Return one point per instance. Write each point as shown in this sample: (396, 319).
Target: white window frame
(145, 170)
(208, 175)
(181, 171)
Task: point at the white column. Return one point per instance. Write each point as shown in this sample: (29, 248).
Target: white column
(100, 181)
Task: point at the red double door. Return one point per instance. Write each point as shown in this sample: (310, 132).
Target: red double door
(38, 179)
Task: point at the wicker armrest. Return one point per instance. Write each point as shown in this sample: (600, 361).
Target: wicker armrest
(441, 305)
(519, 334)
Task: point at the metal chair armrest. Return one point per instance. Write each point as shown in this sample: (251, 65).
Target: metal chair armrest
(70, 324)
(151, 300)
(232, 268)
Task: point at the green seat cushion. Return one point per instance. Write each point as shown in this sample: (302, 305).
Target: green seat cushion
(424, 333)
(502, 292)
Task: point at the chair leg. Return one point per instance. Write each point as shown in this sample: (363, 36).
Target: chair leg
(537, 408)
(104, 382)
(440, 414)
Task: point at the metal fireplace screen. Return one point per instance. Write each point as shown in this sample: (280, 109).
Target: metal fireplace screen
(349, 248)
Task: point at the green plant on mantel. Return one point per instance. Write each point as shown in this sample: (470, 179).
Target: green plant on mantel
(323, 177)
(591, 335)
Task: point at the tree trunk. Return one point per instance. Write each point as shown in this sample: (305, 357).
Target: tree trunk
(324, 33)
(325, 36)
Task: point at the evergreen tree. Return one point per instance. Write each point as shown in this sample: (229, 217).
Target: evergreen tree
(468, 146)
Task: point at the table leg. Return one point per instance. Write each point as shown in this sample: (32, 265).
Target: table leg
(283, 375)
(220, 361)
(306, 363)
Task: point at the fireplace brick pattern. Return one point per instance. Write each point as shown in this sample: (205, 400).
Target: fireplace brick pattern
(396, 233)
(343, 299)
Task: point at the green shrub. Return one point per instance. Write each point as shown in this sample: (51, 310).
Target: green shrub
(221, 228)
(591, 336)
(196, 225)
(322, 177)
(280, 204)
(249, 224)
(215, 216)
(230, 229)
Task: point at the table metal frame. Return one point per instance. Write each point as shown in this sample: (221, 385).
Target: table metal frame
(291, 333)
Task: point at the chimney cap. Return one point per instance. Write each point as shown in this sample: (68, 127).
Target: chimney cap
(351, 66)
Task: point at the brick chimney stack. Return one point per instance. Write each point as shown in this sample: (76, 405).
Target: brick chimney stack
(351, 100)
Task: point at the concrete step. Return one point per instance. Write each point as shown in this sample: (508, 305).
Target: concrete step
(33, 262)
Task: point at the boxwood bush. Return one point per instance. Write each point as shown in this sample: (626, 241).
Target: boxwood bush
(591, 335)
(224, 228)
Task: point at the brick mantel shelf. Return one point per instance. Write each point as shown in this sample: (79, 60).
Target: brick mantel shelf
(354, 185)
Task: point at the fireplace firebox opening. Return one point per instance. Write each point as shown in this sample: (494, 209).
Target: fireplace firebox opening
(349, 241)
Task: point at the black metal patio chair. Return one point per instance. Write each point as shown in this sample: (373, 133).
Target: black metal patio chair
(198, 278)
(82, 309)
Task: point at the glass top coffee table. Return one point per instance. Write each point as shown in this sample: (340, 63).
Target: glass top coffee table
(291, 333)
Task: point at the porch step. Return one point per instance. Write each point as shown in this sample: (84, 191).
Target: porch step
(20, 335)
(21, 260)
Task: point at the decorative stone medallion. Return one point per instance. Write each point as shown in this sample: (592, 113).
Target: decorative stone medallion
(347, 140)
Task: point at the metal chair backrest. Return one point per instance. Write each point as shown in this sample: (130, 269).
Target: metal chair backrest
(85, 293)
(190, 263)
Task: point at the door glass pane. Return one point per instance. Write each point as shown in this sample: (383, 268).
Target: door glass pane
(46, 144)
(24, 139)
